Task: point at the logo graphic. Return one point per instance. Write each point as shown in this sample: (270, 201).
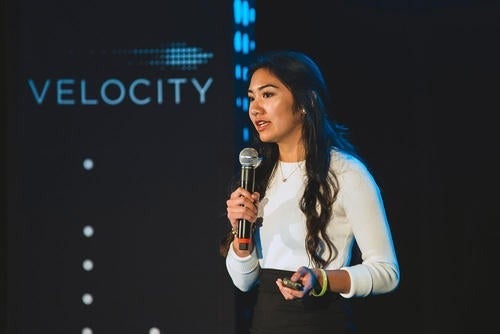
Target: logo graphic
(139, 91)
(177, 56)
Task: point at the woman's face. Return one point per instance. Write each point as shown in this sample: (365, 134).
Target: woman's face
(271, 110)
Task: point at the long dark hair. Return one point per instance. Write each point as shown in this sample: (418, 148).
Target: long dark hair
(302, 76)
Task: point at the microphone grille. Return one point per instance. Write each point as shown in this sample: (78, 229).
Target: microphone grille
(249, 157)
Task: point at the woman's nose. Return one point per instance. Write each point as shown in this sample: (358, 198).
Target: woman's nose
(254, 111)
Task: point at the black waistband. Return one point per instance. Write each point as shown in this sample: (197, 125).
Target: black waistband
(274, 314)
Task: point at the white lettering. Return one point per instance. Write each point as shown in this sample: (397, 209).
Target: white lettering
(202, 90)
(131, 91)
(83, 92)
(113, 91)
(177, 89)
(61, 91)
(121, 91)
(39, 97)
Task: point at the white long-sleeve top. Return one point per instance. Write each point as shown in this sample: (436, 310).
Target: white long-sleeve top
(358, 214)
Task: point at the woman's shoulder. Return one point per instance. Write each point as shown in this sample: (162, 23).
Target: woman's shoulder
(341, 159)
(352, 174)
(346, 163)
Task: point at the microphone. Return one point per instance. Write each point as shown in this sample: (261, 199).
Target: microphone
(249, 160)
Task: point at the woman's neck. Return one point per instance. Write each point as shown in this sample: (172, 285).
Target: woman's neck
(292, 153)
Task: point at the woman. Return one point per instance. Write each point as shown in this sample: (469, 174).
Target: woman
(314, 200)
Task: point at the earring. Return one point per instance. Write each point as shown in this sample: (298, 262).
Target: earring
(304, 111)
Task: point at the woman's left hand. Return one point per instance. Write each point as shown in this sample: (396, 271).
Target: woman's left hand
(303, 275)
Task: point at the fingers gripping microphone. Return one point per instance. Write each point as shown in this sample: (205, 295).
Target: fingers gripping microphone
(249, 160)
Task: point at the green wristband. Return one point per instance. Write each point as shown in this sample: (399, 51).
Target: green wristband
(324, 284)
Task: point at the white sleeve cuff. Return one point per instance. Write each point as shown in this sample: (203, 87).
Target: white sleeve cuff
(361, 281)
(244, 271)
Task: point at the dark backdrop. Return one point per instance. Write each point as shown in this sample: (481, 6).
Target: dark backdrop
(162, 155)
(417, 84)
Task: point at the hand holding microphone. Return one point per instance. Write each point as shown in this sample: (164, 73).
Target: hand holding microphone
(249, 160)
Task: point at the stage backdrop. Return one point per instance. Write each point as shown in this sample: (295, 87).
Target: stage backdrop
(124, 125)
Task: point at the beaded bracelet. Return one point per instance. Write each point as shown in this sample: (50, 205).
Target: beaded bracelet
(324, 284)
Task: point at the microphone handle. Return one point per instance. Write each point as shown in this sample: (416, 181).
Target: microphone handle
(244, 226)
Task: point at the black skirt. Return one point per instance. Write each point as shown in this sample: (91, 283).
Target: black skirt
(274, 315)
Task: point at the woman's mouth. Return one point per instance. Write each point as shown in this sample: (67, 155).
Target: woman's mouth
(261, 125)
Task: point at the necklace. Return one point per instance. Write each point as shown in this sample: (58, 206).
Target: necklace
(283, 178)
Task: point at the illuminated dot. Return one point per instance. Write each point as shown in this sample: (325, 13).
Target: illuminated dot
(237, 11)
(88, 231)
(154, 330)
(245, 43)
(88, 265)
(245, 13)
(246, 134)
(252, 14)
(245, 104)
(87, 330)
(237, 71)
(245, 73)
(237, 41)
(87, 299)
(88, 164)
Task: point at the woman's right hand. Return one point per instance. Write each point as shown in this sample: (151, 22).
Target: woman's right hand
(242, 205)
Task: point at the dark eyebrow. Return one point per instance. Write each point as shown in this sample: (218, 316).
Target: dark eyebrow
(263, 87)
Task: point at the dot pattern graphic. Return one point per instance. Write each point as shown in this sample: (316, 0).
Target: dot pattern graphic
(177, 56)
(180, 56)
(243, 46)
